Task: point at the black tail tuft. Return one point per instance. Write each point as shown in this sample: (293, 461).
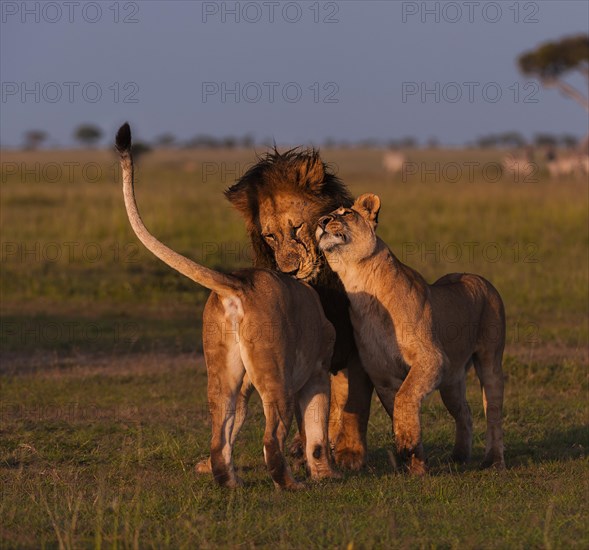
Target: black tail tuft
(123, 140)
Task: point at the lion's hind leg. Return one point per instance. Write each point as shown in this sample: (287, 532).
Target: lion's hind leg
(267, 373)
(279, 411)
(225, 380)
(454, 398)
(313, 401)
(490, 373)
(204, 466)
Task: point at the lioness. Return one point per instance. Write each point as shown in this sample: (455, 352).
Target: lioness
(414, 337)
(262, 328)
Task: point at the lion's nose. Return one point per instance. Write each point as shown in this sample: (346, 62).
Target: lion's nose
(324, 221)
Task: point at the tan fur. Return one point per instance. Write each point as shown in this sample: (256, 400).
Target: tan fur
(262, 330)
(414, 337)
(281, 199)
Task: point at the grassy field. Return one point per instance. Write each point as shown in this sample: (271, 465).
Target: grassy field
(103, 403)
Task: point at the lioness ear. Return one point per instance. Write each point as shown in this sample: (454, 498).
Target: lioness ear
(311, 173)
(368, 205)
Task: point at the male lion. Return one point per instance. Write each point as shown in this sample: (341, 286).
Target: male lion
(414, 337)
(281, 198)
(262, 328)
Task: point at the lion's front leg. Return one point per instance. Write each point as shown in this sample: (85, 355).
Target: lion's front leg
(350, 445)
(339, 398)
(420, 382)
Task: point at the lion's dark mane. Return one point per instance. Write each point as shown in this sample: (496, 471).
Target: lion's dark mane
(300, 172)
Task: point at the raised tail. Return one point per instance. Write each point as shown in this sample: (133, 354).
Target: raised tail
(223, 284)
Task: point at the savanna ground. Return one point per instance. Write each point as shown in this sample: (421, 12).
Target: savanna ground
(104, 415)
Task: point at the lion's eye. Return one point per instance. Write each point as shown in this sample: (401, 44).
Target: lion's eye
(348, 213)
(297, 229)
(270, 237)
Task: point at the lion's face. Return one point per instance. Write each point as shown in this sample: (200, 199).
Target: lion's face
(349, 232)
(288, 223)
(282, 198)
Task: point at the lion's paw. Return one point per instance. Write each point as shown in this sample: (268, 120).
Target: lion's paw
(498, 465)
(416, 467)
(327, 474)
(235, 483)
(350, 458)
(292, 486)
(204, 466)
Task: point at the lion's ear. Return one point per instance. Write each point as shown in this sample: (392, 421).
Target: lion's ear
(311, 173)
(368, 205)
(243, 197)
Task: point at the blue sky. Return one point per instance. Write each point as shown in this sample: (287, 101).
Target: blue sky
(297, 72)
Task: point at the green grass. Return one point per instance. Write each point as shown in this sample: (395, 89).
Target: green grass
(105, 452)
(103, 409)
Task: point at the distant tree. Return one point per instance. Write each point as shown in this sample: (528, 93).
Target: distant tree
(202, 141)
(408, 142)
(248, 141)
(229, 142)
(140, 148)
(165, 140)
(512, 139)
(88, 134)
(569, 141)
(486, 142)
(433, 143)
(329, 143)
(34, 138)
(545, 140)
(368, 143)
(552, 61)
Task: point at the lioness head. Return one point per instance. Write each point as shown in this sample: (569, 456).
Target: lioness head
(350, 232)
(282, 198)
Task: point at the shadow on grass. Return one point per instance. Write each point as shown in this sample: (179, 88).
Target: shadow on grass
(23, 339)
(557, 445)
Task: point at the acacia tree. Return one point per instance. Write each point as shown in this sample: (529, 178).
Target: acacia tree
(552, 61)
